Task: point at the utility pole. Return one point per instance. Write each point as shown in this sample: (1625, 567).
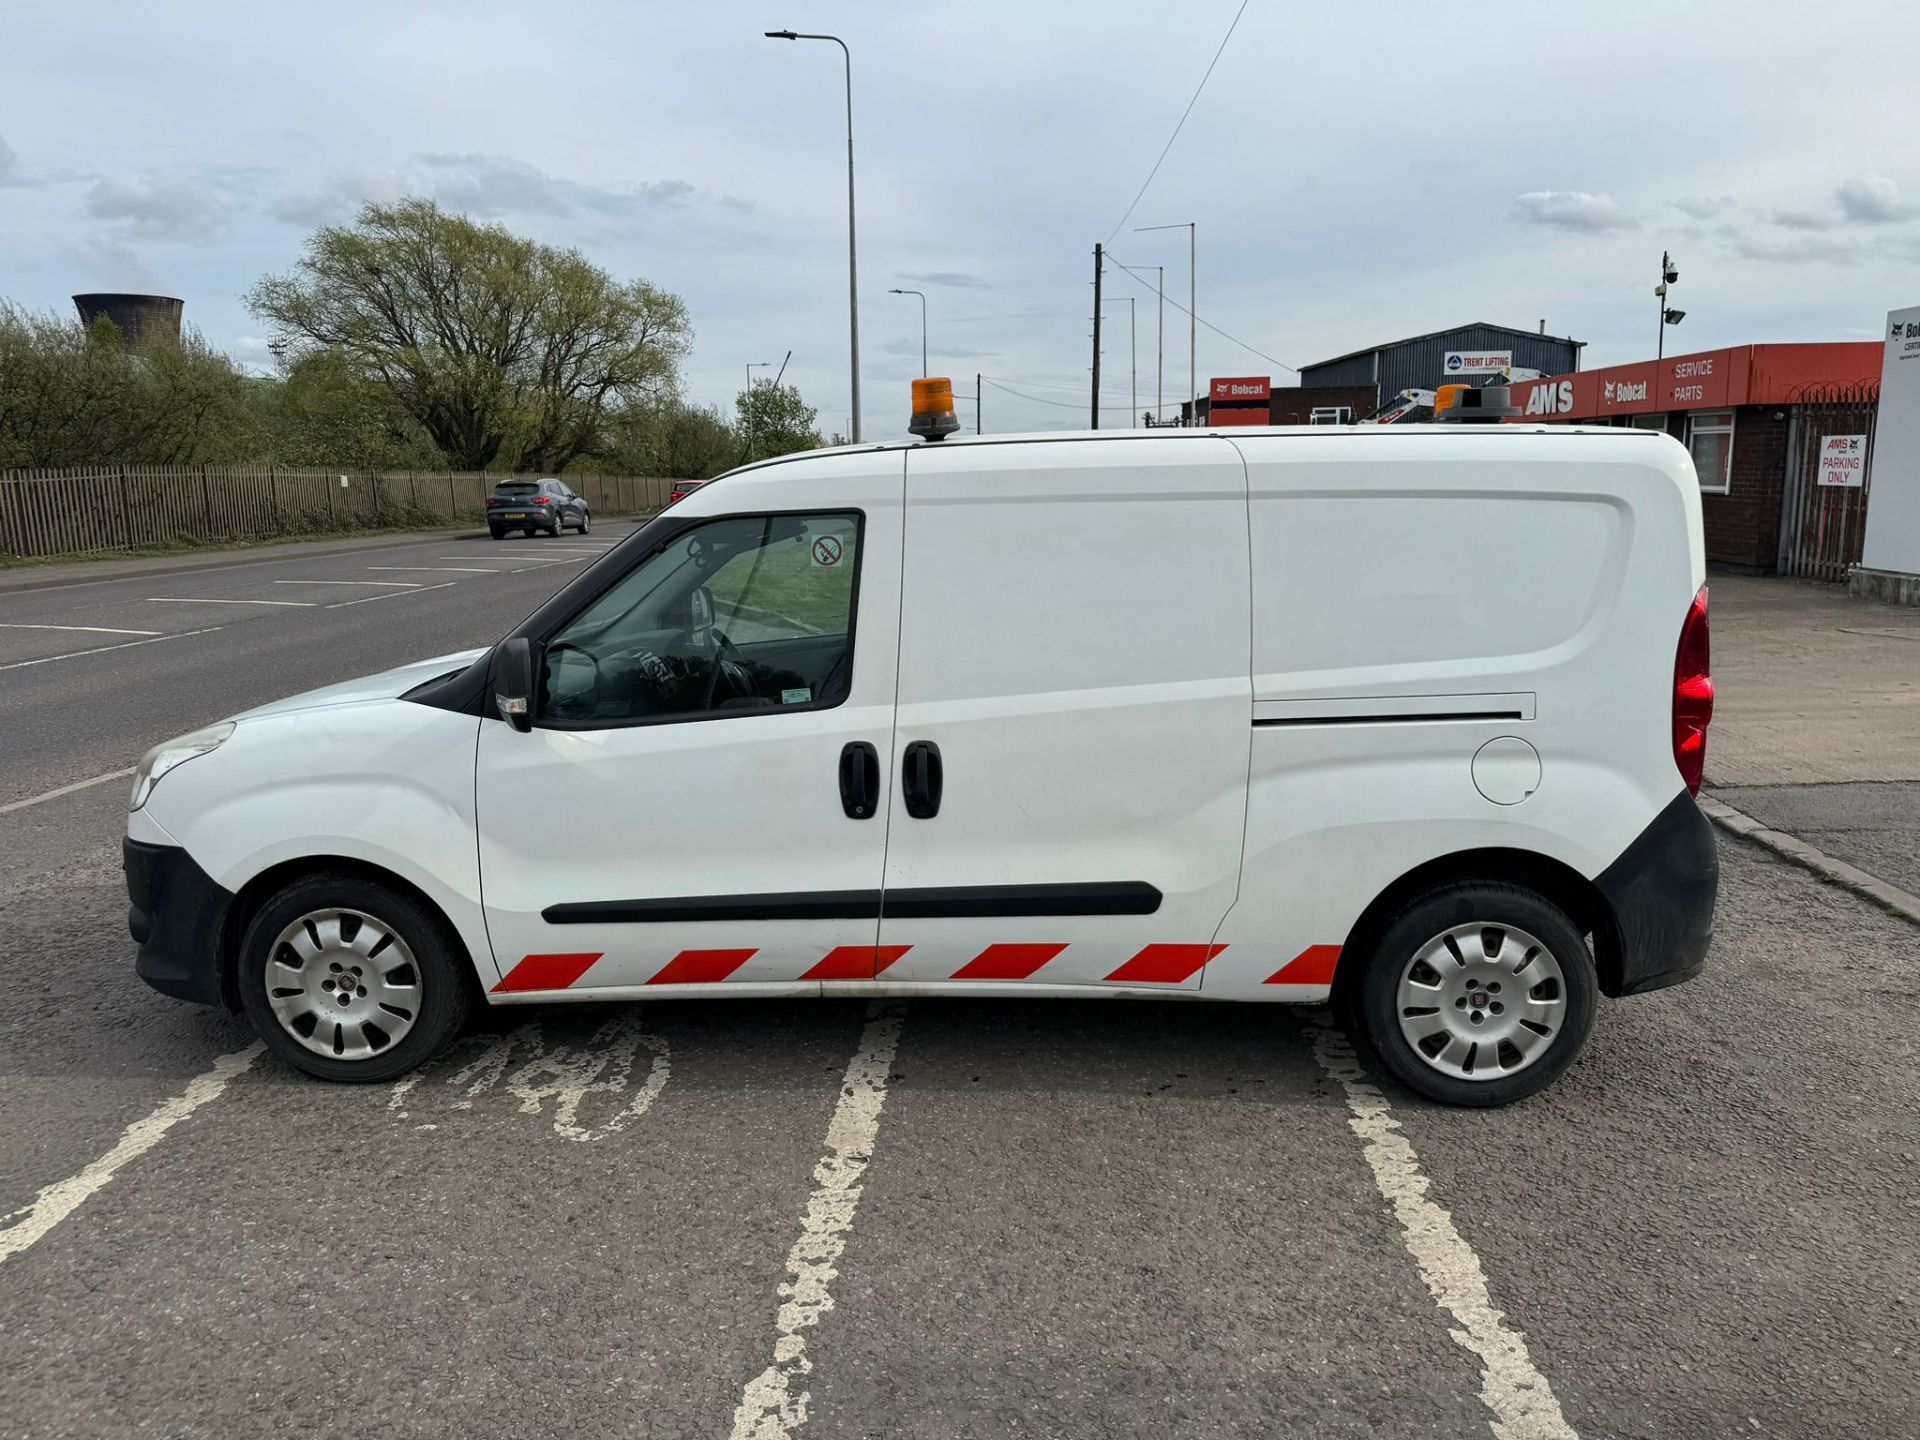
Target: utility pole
(976, 402)
(1193, 316)
(1133, 347)
(1096, 336)
(1160, 348)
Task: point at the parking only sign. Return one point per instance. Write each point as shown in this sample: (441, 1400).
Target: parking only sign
(1843, 460)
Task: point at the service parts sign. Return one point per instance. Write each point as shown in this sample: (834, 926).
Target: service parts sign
(1843, 460)
(1477, 362)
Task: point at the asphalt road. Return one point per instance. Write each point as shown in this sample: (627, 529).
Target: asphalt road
(934, 1219)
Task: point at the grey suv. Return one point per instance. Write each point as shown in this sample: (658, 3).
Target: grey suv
(532, 505)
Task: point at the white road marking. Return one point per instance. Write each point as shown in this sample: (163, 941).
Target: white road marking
(55, 1202)
(403, 584)
(393, 594)
(1522, 1402)
(461, 569)
(769, 1408)
(103, 649)
(60, 790)
(203, 600)
(603, 1065)
(90, 629)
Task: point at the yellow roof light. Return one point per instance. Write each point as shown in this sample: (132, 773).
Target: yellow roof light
(933, 415)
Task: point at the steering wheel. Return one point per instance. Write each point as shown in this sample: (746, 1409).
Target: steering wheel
(726, 651)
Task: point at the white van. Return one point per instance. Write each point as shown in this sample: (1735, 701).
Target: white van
(1405, 716)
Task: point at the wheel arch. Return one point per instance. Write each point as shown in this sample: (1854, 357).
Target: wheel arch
(251, 896)
(1554, 879)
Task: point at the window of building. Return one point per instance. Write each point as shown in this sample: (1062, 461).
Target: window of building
(1710, 439)
(742, 614)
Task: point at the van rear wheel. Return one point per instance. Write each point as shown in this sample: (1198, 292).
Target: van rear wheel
(350, 980)
(1479, 993)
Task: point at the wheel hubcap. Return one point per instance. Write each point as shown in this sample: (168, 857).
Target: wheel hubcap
(343, 984)
(1480, 1001)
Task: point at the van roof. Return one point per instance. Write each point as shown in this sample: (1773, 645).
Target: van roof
(1391, 433)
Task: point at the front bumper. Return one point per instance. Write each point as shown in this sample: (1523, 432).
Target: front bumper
(1662, 891)
(178, 916)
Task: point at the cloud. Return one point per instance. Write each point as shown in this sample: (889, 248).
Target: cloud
(953, 279)
(1806, 247)
(156, 209)
(485, 186)
(1871, 200)
(1705, 207)
(1577, 210)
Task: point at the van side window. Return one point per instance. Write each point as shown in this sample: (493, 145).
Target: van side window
(750, 613)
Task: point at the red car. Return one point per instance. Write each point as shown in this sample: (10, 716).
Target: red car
(682, 489)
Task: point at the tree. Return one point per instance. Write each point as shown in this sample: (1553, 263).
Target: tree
(671, 437)
(72, 394)
(500, 348)
(774, 420)
(321, 410)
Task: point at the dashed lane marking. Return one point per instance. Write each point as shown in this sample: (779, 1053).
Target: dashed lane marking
(774, 1403)
(55, 1202)
(402, 584)
(1522, 1402)
(103, 649)
(440, 569)
(204, 600)
(392, 595)
(59, 790)
(89, 629)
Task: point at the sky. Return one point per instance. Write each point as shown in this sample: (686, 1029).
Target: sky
(1354, 175)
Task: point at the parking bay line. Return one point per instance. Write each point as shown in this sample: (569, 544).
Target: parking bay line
(209, 600)
(392, 595)
(103, 649)
(1523, 1403)
(769, 1408)
(59, 790)
(55, 1202)
(90, 629)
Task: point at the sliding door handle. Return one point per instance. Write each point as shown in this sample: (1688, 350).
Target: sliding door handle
(859, 780)
(922, 779)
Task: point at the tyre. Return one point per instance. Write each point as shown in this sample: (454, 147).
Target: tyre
(553, 530)
(496, 532)
(586, 522)
(1479, 993)
(350, 980)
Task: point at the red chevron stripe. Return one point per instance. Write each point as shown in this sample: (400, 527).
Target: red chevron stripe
(701, 967)
(856, 962)
(546, 972)
(1007, 962)
(1165, 964)
(1312, 966)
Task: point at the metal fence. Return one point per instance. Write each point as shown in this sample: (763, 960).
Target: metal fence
(126, 507)
(1823, 527)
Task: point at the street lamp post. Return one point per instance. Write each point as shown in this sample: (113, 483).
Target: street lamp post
(853, 263)
(1193, 315)
(923, 325)
(751, 407)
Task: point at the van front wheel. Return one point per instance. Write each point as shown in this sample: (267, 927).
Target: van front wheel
(1479, 993)
(350, 980)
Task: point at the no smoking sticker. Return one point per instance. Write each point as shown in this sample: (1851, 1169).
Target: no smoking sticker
(827, 551)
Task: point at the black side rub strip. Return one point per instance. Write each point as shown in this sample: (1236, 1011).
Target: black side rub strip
(943, 902)
(1290, 720)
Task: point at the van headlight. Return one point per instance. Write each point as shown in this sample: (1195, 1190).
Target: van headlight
(169, 753)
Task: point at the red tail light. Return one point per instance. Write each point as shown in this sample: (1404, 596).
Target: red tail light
(1692, 695)
(543, 499)
(493, 500)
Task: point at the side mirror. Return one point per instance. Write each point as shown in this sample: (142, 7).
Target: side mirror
(513, 682)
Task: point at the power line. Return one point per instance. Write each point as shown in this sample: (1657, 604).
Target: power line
(1039, 399)
(1135, 275)
(1183, 117)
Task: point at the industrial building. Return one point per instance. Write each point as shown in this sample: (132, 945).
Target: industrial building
(142, 320)
(1781, 436)
(1477, 354)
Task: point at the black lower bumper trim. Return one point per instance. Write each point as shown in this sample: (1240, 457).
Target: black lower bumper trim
(177, 917)
(1662, 891)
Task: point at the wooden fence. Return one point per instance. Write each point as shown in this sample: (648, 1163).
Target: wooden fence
(126, 507)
